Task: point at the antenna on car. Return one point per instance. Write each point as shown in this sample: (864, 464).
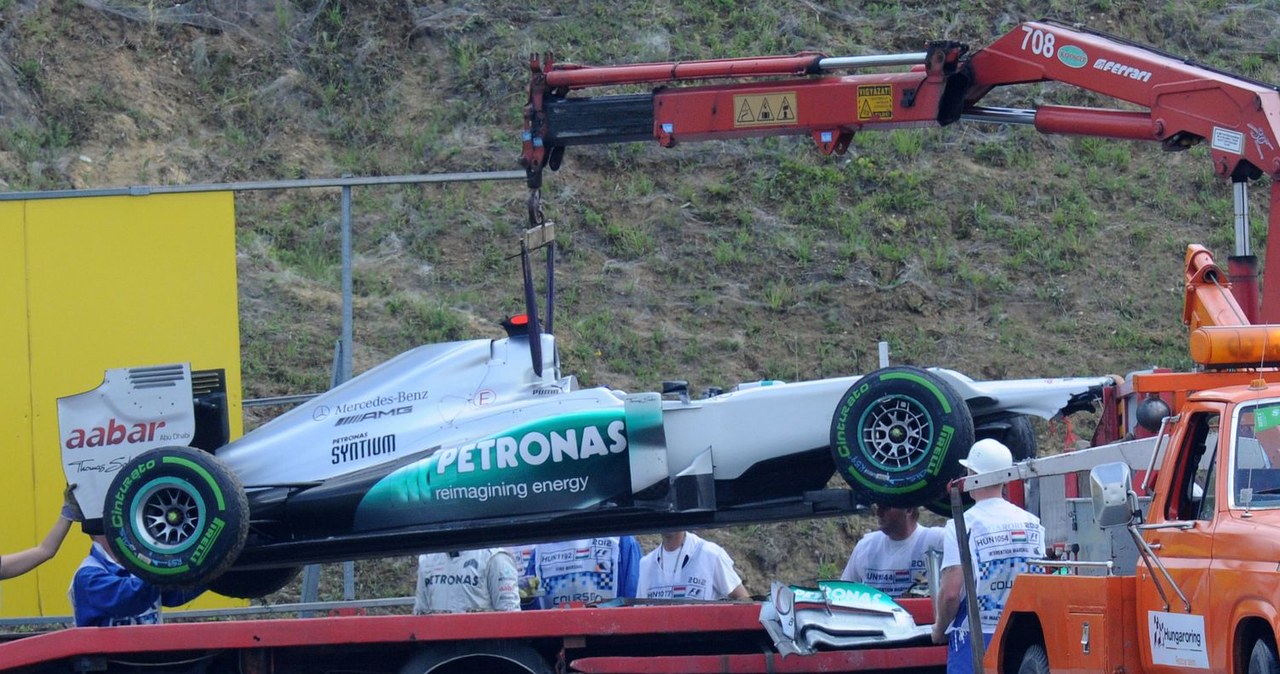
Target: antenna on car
(541, 236)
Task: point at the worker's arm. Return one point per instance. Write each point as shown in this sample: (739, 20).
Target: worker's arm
(18, 563)
(727, 577)
(628, 566)
(502, 579)
(949, 591)
(100, 594)
(421, 600)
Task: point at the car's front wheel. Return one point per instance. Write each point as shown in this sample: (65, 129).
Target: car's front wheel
(176, 517)
(898, 434)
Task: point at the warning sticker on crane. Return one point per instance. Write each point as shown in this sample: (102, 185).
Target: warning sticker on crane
(875, 101)
(1227, 140)
(764, 109)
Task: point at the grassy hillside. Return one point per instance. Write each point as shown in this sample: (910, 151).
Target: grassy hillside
(995, 251)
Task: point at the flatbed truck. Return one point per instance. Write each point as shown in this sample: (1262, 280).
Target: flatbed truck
(688, 638)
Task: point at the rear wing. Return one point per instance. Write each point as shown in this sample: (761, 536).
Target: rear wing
(131, 411)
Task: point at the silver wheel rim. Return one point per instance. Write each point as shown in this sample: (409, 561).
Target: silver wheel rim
(169, 516)
(897, 433)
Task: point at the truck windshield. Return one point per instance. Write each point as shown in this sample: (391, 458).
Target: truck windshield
(1256, 461)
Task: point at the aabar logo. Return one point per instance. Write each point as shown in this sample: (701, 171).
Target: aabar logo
(113, 433)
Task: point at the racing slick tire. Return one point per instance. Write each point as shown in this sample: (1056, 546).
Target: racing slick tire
(1019, 436)
(898, 434)
(176, 517)
(254, 583)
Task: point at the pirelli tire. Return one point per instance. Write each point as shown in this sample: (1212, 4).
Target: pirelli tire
(898, 434)
(176, 517)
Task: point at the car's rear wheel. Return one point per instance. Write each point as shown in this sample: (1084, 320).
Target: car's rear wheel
(898, 434)
(176, 517)
(254, 583)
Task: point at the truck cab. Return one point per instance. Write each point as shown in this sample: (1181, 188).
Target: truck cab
(1202, 591)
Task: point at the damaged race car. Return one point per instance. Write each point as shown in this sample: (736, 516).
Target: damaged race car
(484, 442)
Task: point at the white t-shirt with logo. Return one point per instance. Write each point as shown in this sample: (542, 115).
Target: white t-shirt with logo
(471, 580)
(1002, 539)
(699, 569)
(892, 566)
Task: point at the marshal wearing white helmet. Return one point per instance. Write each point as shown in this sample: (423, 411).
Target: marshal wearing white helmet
(1003, 538)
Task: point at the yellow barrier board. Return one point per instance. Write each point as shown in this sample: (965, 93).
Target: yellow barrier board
(89, 284)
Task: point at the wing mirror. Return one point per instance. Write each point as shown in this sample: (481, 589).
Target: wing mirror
(1113, 500)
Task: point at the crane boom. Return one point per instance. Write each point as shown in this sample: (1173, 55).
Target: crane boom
(1185, 103)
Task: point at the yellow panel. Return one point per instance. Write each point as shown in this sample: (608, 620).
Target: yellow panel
(120, 282)
(16, 480)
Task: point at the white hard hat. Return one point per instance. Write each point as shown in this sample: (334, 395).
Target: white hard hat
(988, 455)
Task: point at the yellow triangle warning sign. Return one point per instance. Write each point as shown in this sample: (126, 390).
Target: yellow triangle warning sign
(864, 110)
(786, 113)
(773, 109)
(766, 112)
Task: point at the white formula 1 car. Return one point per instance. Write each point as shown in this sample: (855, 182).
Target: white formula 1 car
(483, 442)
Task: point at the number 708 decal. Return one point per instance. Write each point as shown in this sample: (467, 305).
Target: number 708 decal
(1039, 41)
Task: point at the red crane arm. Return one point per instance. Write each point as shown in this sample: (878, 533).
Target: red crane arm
(1185, 102)
(1182, 103)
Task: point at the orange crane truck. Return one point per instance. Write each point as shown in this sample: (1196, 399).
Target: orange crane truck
(1190, 581)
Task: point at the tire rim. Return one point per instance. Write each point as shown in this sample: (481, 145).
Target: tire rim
(897, 433)
(167, 515)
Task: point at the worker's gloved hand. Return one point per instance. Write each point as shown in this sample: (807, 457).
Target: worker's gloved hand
(529, 587)
(70, 508)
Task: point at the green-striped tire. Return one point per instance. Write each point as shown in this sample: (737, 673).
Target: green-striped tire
(176, 517)
(898, 434)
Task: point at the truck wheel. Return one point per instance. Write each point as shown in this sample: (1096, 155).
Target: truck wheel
(898, 434)
(255, 583)
(491, 657)
(1034, 660)
(1016, 433)
(176, 517)
(1262, 659)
